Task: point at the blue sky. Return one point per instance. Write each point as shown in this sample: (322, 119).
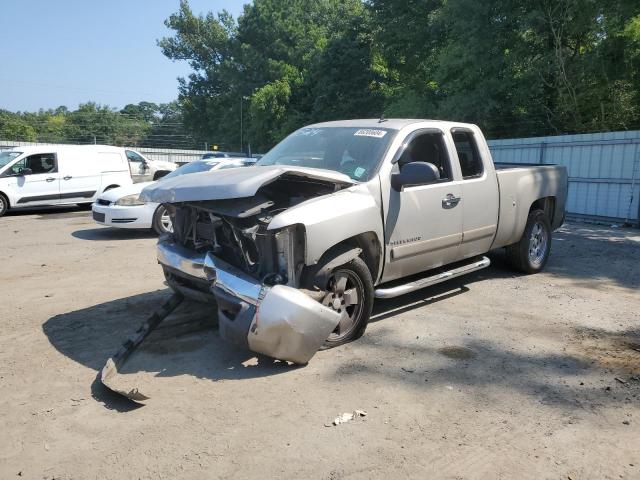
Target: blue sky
(66, 52)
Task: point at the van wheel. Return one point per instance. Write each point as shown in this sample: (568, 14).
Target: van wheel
(162, 221)
(350, 293)
(4, 204)
(531, 253)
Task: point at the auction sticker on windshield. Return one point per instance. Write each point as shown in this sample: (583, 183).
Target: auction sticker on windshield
(367, 132)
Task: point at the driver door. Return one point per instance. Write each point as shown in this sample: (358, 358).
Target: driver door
(36, 180)
(423, 227)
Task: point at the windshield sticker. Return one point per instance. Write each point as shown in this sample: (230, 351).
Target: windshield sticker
(358, 172)
(367, 132)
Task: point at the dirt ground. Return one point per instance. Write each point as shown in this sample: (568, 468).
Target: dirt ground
(495, 375)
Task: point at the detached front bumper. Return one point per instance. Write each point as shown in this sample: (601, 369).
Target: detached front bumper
(279, 321)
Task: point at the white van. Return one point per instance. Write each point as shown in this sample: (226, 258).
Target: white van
(60, 175)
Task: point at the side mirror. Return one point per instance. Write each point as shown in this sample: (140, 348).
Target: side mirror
(414, 173)
(25, 171)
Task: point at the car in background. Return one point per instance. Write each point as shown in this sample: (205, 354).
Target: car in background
(122, 207)
(217, 154)
(144, 169)
(59, 174)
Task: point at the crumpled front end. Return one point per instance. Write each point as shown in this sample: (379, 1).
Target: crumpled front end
(280, 321)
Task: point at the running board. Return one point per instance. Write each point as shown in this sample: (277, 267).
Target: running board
(398, 290)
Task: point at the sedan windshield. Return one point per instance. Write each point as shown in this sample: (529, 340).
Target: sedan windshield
(192, 167)
(354, 151)
(6, 157)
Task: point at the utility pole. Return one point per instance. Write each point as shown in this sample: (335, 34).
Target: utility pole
(241, 98)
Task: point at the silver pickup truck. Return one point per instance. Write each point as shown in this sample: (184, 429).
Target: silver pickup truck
(293, 251)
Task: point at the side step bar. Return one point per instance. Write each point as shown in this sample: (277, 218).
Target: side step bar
(398, 290)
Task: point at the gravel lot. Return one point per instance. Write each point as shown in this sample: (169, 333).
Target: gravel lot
(495, 375)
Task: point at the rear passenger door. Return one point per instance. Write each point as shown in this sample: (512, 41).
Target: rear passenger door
(479, 192)
(36, 180)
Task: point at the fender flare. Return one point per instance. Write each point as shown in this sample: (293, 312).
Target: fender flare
(318, 274)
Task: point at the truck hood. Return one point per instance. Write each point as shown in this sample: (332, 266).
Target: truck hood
(231, 183)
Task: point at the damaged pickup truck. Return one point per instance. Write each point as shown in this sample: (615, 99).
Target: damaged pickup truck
(293, 251)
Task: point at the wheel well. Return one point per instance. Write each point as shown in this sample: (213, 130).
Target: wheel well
(371, 250)
(110, 187)
(6, 199)
(547, 205)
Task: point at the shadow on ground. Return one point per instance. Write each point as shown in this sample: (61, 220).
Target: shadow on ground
(50, 213)
(108, 234)
(185, 343)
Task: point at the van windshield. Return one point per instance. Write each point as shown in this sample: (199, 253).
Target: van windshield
(7, 157)
(354, 151)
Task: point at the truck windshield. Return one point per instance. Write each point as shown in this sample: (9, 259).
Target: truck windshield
(353, 151)
(6, 157)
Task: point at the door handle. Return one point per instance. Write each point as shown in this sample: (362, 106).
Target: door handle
(50, 179)
(450, 201)
(68, 177)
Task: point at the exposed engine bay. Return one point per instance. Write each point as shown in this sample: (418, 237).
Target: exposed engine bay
(236, 230)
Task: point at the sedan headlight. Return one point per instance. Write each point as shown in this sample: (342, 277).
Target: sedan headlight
(129, 200)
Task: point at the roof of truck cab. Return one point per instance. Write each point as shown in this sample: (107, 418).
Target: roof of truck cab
(390, 123)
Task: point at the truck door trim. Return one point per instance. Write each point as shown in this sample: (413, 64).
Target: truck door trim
(425, 246)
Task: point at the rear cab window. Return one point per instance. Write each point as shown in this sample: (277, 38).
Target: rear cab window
(468, 154)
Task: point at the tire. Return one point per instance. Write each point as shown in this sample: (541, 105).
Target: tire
(84, 206)
(355, 317)
(158, 175)
(4, 204)
(159, 222)
(531, 253)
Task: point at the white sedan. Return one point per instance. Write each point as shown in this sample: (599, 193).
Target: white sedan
(122, 208)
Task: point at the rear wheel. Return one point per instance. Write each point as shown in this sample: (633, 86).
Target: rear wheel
(162, 221)
(531, 253)
(349, 293)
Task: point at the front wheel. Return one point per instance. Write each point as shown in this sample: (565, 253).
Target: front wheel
(531, 253)
(162, 221)
(4, 205)
(349, 293)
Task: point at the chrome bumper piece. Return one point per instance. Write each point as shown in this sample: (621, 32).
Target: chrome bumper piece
(278, 321)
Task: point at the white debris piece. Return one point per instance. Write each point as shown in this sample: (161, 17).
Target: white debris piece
(346, 417)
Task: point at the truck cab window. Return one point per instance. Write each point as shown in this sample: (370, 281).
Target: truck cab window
(428, 147)
(468, 155)
(40, 163)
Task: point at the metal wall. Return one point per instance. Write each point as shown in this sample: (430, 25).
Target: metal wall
(604, 170)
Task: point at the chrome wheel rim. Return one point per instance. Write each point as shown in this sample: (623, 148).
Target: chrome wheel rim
(165, 220)
(1, 204)
(344, 295)
(538, 242)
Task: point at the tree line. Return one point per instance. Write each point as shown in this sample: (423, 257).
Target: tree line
(143, 124)
(514, 67)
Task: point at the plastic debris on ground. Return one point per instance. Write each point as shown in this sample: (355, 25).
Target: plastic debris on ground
(346, 417)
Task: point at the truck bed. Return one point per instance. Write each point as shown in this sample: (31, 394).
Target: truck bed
(520, 185)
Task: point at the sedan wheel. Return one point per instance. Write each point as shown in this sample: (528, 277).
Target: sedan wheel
(162, 221)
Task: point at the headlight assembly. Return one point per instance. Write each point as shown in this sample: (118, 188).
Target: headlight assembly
(129, 200)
